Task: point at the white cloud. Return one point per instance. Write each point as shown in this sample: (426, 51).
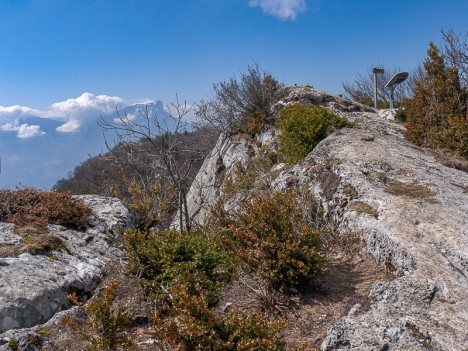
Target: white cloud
(87, 102)
(284, 9)
(70, 126)
(74, 112)
(28, 131)
(17, 111)
(24, 131)
(8, 127)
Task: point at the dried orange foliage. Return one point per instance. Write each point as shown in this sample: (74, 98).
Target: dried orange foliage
(29, 206)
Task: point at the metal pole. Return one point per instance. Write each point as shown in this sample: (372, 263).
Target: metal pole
(392, 89)
(375, 86)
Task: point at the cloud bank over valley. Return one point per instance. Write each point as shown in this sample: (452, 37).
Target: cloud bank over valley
(38, 147)
(73, 113)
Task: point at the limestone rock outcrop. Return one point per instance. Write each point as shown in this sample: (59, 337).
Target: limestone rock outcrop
(411, 211)
(33, 288)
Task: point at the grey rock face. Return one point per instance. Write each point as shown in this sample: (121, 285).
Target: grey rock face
(35, 287)
(232, 153)
(227, 157)
(411, 211)
(413, 215)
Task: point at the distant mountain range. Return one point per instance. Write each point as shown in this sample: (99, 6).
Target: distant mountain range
(50, 154)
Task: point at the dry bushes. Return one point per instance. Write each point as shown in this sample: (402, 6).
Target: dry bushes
(270, 236)
(244, 105)
(29, 206)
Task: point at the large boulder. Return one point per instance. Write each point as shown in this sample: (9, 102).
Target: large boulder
(33, 288)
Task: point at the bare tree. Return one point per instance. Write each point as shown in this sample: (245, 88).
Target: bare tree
(166, 147)
(455, 52)
(362, 88)
(243, 105)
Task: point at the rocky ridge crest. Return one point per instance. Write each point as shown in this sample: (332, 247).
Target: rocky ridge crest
(410, 210)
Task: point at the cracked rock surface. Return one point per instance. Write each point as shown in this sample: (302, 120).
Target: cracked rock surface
(33, 288)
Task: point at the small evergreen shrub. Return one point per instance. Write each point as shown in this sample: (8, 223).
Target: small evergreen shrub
(188, 323)
(302, 128)
(104, 326)
(29, 206)
(271, 237)
(437, 116)
(165, 257)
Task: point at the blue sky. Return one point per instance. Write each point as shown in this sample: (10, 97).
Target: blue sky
(53, 50)
(72, 60)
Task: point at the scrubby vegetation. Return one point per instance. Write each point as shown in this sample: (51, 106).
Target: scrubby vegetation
(437, 116)
(28, 206)
(167, 257)
(187, 323)
(271, 237)
(303, 127)
(103, 325)
(244, 105)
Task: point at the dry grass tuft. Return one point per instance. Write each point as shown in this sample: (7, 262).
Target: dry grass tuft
(413, 190)
(36, 241)
(449, 159)
(362, 207)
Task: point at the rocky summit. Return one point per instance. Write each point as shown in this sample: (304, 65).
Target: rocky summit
(410, 210)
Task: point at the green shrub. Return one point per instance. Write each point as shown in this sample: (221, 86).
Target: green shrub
(302, 128)
(165, 257)
(271, 237)
(29, 206)
(188, 323)
(104, 326)
(13, 344)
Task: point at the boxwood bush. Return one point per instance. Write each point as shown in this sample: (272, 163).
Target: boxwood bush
(303, 127)
(166, 257)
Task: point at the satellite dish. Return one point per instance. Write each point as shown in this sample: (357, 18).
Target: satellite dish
(392, 83)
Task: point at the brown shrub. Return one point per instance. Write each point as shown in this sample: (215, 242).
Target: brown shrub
(271, 237)
(29, 206)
